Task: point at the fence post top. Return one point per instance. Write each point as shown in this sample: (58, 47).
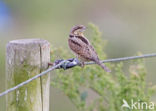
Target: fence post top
(28, 41)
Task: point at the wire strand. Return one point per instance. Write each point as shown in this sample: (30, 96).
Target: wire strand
(125, 58)
(86, 63)
(31, 79)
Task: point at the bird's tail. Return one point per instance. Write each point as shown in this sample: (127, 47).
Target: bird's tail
(103, 66)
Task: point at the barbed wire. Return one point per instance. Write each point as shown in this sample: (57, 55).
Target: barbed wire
(65, 64)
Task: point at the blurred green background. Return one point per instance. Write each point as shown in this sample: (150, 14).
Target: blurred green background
(128, 25)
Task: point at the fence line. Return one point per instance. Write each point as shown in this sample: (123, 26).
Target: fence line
(62, 62)
(125, 58)
(31, 79)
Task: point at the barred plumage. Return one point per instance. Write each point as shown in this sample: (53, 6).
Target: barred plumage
(81, 46)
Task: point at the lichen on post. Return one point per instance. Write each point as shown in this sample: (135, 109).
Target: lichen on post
(26, 58)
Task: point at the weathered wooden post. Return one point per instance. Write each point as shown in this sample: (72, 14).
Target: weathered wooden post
(26, 58)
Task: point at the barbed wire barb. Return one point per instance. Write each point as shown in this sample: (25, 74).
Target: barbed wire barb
(65, 64)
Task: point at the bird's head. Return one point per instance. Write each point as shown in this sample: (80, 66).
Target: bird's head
(78, 30)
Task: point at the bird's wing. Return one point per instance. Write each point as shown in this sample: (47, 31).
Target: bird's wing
(90, 49)
(82, 47)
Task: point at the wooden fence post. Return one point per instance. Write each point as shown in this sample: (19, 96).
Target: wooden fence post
(26, 58)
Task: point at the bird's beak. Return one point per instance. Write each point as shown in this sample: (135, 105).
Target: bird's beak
(83, 29)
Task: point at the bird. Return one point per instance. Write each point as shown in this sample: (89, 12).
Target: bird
(82, 48)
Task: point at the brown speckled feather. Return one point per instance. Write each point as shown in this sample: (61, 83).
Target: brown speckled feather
(82, 48)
